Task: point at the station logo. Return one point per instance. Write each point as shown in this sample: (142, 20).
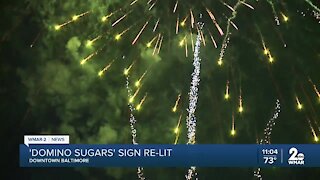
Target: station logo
(296, 157)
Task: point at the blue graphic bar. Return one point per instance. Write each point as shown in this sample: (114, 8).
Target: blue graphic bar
(206, 155)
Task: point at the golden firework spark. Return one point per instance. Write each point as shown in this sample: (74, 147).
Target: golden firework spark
(101, 73)
(174, 109)
(299, 104)
(177, 130)
(138, 107)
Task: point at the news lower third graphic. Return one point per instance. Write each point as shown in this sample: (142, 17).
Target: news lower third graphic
(55, 151)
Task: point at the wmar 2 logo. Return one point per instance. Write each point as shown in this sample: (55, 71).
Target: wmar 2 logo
(295, 158)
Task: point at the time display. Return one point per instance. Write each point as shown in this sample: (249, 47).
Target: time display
(269, 151)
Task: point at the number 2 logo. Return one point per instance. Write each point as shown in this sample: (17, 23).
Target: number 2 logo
(294, 154)
(293, 151)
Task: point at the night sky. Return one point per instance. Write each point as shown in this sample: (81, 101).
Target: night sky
(52, 51)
